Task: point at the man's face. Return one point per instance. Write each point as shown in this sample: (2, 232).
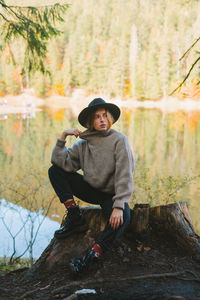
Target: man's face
(101, 120)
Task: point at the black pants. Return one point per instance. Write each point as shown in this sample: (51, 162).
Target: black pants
(67, 185)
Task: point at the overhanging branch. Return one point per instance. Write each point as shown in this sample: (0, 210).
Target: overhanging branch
(34, 25)
(186, 77)
(190, 48)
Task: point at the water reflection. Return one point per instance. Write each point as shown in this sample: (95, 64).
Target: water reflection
(26, 110)
(24, 231)
(3, 117)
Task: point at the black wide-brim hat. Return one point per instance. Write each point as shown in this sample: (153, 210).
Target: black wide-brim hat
(93, 106)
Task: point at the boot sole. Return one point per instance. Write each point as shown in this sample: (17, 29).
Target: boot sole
(75, 230)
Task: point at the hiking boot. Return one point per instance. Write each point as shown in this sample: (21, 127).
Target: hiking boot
(83, 264)
(74, 222)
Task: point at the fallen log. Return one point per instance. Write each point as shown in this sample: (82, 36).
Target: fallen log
(172, 219)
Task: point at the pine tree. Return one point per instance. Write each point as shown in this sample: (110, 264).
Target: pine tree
(35, 26)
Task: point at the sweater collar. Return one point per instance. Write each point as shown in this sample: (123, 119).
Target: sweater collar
(92, 135)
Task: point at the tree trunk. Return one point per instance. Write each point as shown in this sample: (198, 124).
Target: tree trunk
(174, 219)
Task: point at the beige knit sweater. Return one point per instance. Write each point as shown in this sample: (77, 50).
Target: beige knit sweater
(106, 160)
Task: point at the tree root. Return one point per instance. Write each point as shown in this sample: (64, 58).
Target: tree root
(29, 293)
(78, 284)
(75, 284)
(188, 279)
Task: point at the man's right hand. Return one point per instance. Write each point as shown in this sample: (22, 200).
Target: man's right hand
(72, 131)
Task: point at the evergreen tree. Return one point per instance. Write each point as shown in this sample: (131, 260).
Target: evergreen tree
(99, 50)
(35, 26)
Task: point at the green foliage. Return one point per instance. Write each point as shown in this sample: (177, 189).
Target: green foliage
(7, 266)
(157, 190)
(35, 26)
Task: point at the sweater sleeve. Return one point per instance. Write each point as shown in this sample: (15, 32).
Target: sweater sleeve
(66, 158)
(123, 173)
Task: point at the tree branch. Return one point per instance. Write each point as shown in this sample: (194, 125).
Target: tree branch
(189, 49)
(34, 26)
(186, 77)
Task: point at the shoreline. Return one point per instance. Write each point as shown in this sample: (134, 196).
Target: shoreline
(27, 103)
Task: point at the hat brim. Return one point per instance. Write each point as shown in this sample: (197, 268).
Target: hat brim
(112, 108)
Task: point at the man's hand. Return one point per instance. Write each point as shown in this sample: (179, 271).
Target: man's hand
(116, 218)
(72, 131)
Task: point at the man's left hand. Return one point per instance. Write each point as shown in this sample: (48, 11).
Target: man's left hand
(116, 218)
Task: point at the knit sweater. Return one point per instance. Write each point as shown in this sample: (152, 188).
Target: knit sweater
(106, 160)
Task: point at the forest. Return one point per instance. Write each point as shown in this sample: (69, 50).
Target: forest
(129, 49)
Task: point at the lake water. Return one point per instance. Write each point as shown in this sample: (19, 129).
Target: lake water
(29, 232)
(165, 146)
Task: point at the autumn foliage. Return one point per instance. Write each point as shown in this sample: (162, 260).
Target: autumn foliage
(181, 118)
(59, 89)
(190, 90)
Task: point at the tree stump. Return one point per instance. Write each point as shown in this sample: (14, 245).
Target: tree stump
(60, 252)
(174, 219)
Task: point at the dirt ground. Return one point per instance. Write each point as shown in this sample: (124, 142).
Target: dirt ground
(155, 269)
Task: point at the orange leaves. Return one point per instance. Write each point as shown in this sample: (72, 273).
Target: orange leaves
(178, 121)
(59, 89)
(16, 75)
(193, 120)
(142, 248)
(190, 90)
(8, 148)
(59, 115)
(18, 128)
(127, 89)
(60, 66)
(182, 118)
(100, 46)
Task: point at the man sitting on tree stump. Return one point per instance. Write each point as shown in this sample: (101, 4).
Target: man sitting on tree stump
(104, 155)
